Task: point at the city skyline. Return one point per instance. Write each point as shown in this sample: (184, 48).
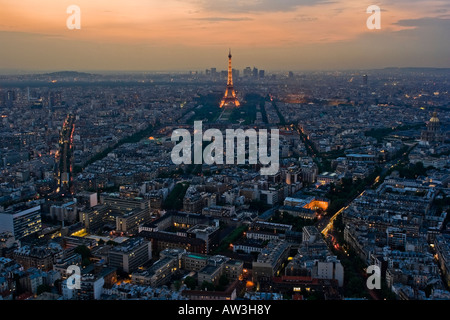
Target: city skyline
(181, 35)
(91, 187)
(136, 164)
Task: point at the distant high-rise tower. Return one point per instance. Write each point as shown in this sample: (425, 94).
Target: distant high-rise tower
(229, 100)
(365, 78)
(10, 96)
(255, 72)
(261, 74)
(247, 72)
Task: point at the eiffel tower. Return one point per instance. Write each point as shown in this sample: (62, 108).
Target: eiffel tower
(229, 100)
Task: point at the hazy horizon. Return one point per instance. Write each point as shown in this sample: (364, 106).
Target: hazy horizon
(6, 72)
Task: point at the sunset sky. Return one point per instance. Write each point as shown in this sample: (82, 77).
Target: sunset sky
(153, 35)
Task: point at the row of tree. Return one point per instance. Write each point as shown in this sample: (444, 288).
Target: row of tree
(191, 283)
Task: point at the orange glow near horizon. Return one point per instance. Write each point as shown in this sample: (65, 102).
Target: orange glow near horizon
(137, 28)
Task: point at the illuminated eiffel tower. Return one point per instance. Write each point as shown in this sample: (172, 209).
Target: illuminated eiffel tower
(229, 100)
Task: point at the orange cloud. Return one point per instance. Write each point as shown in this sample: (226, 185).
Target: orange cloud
(175, 22)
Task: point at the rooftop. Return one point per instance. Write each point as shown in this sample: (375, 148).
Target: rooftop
(128, 245)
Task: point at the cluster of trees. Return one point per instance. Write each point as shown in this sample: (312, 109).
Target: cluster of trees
(381, 133)
(171, 174)
(354, 282)
(209, 108)
(341, 194)
(280, 116)
(248, 109)
(136, 137)
(260, 206)
(323, 164)
(232, 237)
(412, 171)
(109, 242)
(85, 253)
(191, 283)
(174, 200)
(43, 288)
(193, 169)
(297, 222)
(354, 269)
